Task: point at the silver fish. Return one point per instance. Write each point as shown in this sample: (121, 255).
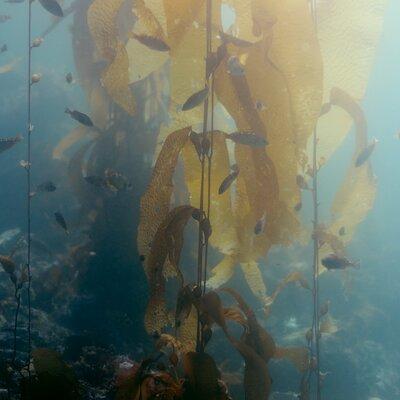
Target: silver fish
(151, 42)
(333, 261)
(366, 153)
(227, 182)
(80, 117)
(248, 139)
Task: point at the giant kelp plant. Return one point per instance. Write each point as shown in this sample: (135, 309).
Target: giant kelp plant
(239, 119)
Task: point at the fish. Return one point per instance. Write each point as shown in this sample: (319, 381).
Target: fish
(69, 78)
(248, 139)
(260, 225)
(37, 42)
(324, 309)
(7, 143)
(227, 182)
(333, 261)
(195, 99)
(52, 7)
(301, 182)
(260, 106)
(342, 231)
(3, 48)
(152, 42)
(4, 18)
(97, 181)
(235, 68)
(366, 153)
(47, 186)
(298, 206)
(80, 117)
(61, 221)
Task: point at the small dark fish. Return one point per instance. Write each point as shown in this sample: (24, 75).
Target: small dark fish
(227, 182)
(52, 7)
(97, 181)
(334, 261)
(298, 206)
(366, 153)
(248, 139)
(7, 143)
(260, 225)
(69, 78)
(342, 231)
(61, 221)
(152, 42)
(235, 68)
(301, 182)
(324, 309)
(195, 99)
(80, 117)
(47, 186)
(4, 18)
(3, 48)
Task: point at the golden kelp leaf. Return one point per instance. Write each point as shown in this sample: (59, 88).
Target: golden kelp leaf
(100, 105)
(357, 193)
(116, 80)
(295, 51)
(157, 316)
(186, 33)
(257, 381)
(68, 141)
(187, 332)
(202, 374)
(142, 60)
(298, 356)
(154, 205)
(222, 219)
(222, 272)
(346, 66)
(102, 22)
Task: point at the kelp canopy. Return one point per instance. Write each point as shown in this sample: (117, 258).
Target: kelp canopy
(275, 71)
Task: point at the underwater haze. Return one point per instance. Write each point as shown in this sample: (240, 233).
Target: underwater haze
(199, 199)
